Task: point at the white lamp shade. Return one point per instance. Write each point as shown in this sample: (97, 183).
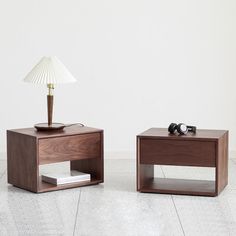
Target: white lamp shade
(49, 70)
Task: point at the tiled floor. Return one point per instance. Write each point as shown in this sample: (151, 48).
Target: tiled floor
(115, 208)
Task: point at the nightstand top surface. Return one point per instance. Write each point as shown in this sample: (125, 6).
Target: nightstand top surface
(200, 134)
(70, 130)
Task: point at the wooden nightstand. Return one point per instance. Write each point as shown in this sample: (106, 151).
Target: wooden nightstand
(27, 149)
(206, 148)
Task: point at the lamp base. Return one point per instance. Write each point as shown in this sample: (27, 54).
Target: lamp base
(52, 127)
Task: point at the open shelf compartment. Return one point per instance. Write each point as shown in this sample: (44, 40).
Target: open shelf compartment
(93, 166)
(179, 186)
(45, 187)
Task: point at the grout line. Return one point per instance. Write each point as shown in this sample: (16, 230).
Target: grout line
(177, 214)
(77, 212)
(233, 161)
(174, 204)
(162, 171)
(3, 174)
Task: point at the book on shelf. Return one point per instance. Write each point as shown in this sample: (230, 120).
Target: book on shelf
(66, 178)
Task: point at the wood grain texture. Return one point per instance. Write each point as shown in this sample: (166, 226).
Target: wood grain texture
(177, 152)
(69, 148)
(145, 173)
(67, 131)
(180, 186)
(22, 168)
(208, 148)
(162, 133)
(222, 163)
(27, 150)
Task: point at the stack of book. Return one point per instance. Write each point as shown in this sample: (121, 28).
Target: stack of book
(67, 178)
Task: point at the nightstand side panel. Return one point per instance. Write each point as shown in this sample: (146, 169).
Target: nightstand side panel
(222, 163)
(145, 172)
(22, 161)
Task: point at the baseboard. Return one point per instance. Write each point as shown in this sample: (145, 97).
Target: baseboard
(3, 156)
(120, 155)
(232, 154)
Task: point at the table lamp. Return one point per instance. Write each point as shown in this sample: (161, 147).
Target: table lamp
(49, 71)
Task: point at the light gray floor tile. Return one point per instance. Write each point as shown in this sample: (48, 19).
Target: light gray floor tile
(3, 156)
(25, 213)
(158, 171)
(203, 215)
(117, 209)
(3, 167)
(233, 159)
(184, 172)
(232, 175)
(208, 215)
(200, 173)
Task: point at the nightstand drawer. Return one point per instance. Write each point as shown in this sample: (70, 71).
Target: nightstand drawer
(67, 148)
(177, 152)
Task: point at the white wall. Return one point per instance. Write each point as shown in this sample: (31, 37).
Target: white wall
(139, 64)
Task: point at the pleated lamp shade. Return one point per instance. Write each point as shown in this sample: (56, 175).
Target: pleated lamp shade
(49, 70)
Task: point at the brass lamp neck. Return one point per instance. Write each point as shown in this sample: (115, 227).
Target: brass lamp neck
(50, 89)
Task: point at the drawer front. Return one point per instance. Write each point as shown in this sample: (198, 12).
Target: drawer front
(69, 148)
(174, 152)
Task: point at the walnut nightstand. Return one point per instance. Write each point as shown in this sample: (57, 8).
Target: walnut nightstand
(27, 149)
(206, 148)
